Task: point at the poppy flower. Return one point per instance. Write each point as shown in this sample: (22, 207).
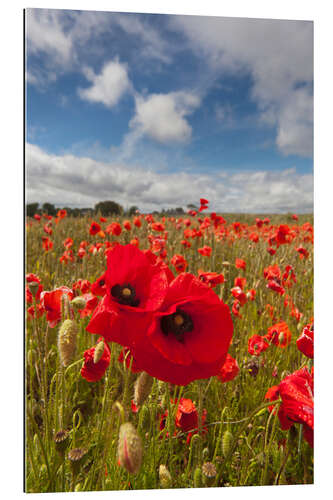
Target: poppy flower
(272, 273)
(102, 219)
(127, 225)
(203, 201)
(68, 243)
(51, 302)
(114, 228)
(137, 222)
(92, 371)
(296, 392)
(240, 282)
(238, 293)
(62, 213)
(99, 286)
(303, 253)
(91, 303)
(126, 355)
(187, 418)
(240, 264)
(251, 294)
(271, 250)
(279, 334)
(47, 243)
(229, 369)
(205, 251)
(189, 336)
(179, 262)
(257, 344)
(37, 217)
(47, 229)
(275, 286)
(211, 279)
(134, 287)
(94, 228)
(30, 278)
(295, 217)
(158, 226)
(305, 341)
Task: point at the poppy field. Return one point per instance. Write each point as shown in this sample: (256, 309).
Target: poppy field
(168, 351)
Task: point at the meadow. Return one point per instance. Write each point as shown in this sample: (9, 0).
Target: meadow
(96, 420)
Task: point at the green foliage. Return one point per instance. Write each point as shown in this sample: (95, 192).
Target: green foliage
(109, 207)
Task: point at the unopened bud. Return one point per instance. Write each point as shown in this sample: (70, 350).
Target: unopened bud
(164, 476)
(142, 388)
(129, 448)
(99, 350)
(67, 341)
(197, 478)
(79, 303)
(209, 473)
(33, 287)
(226, 442)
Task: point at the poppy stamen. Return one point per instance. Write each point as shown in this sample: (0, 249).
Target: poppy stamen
(177, 323)
(125, 294)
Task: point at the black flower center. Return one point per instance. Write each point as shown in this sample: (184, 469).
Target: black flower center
(177, 323)
(125, 294)
(101, 283)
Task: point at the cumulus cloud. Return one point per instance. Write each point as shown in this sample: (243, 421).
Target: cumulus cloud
(71, 180)
(279, 57)
(162, 116)
(109, 86)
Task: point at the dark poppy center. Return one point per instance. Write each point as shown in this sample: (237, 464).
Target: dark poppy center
(101, 283)
(125, 294)
(177, 323)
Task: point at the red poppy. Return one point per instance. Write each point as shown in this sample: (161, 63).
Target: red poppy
(114, 228)
(91, 303)
(303, 253)
(28, 295)
(47, 229)
(273, 273)
(137, 222)
(238, 293)
(205, 251)
(203, 201)
(158, 226)
(296, 392)
(91, 371)
(62, 213)
(47, 243)
(240, 264)
(240, 282)
(279, 334)
(275, 286)
(305, 341)
(271, 250)
(134, 287)
(187, 418)
(127, 225)
(251, 294)
(189, 336)
(102, 219)
(179, 262)
(126, 355)
(99, 286)
(37, 217)
(257, 344)
(210, 279)
(68, 243)
(229, 369)
(51, 302)
(295, 217)
(94, 228)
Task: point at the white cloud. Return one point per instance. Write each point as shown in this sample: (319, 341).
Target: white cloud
(109, 86)
(279, 57)
(162, 116)
(72, 180)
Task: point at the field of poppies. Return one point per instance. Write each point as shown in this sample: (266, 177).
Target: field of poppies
(168, 352)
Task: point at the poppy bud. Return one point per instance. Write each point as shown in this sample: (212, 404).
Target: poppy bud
(226, 263)
(99, 350)
(67, 341)
(61, 441)
(142, 388)
(226, 442)
(75, 457)
(164, 476)
(79, 303)
(197, 478)
(33, 287)
(129, 448)
(209, 473)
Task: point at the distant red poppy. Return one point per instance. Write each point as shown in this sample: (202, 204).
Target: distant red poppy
(203, 201)
(240, 264)
(47, 229)
(238, 293)
(305, 341)
(211, 279)
(127, 225)
(240, 282)
(279, 334)
(94, 228)
(158, 226)
(114, 228)
(137, 222)
(303, 253)
(91, 303)
(179, 262)
(273, 273)
(296, 392)
(205, 251)
(187, 418)
(275, 286)
(229, 369)
(68, 243)
(102, 219)
(62, 213)
(47, 243)
(271, 250)
(295, 217)
(257, 344)
(37, 217)
(91, 371)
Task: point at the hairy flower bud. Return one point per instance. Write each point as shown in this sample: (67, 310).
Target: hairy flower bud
(164, 476)
(226, 442)
(197, 478)
(129, 448)
(79, 303)
(99, 350)
(67, 341)
(142, 388)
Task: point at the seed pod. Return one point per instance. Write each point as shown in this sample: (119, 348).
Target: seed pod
(197, 478)
(129, 448)
(79, 303)
(226, 442)
(61, 441)
(209, 473)
(99, 350)
(67, 341)
(226, 263)
(142, 388)
(75, 458)
(33, 287)
(164, 476)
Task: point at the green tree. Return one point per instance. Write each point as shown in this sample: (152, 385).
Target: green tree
(49, 209)
(132, 210)
(109, 208)
(32, 209)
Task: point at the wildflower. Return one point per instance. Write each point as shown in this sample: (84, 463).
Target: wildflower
(257, 344)
(240, 264)
(94, 367)
(211, 279)
(229, 369)
(127, 225)
(205, 251)
(51, 302)
(279, 334)
(94, 228)
(179, 262)
(305, 341)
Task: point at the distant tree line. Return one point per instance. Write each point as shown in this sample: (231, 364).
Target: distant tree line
(105, 208)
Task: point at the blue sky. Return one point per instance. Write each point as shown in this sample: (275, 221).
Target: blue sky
(159, 110)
